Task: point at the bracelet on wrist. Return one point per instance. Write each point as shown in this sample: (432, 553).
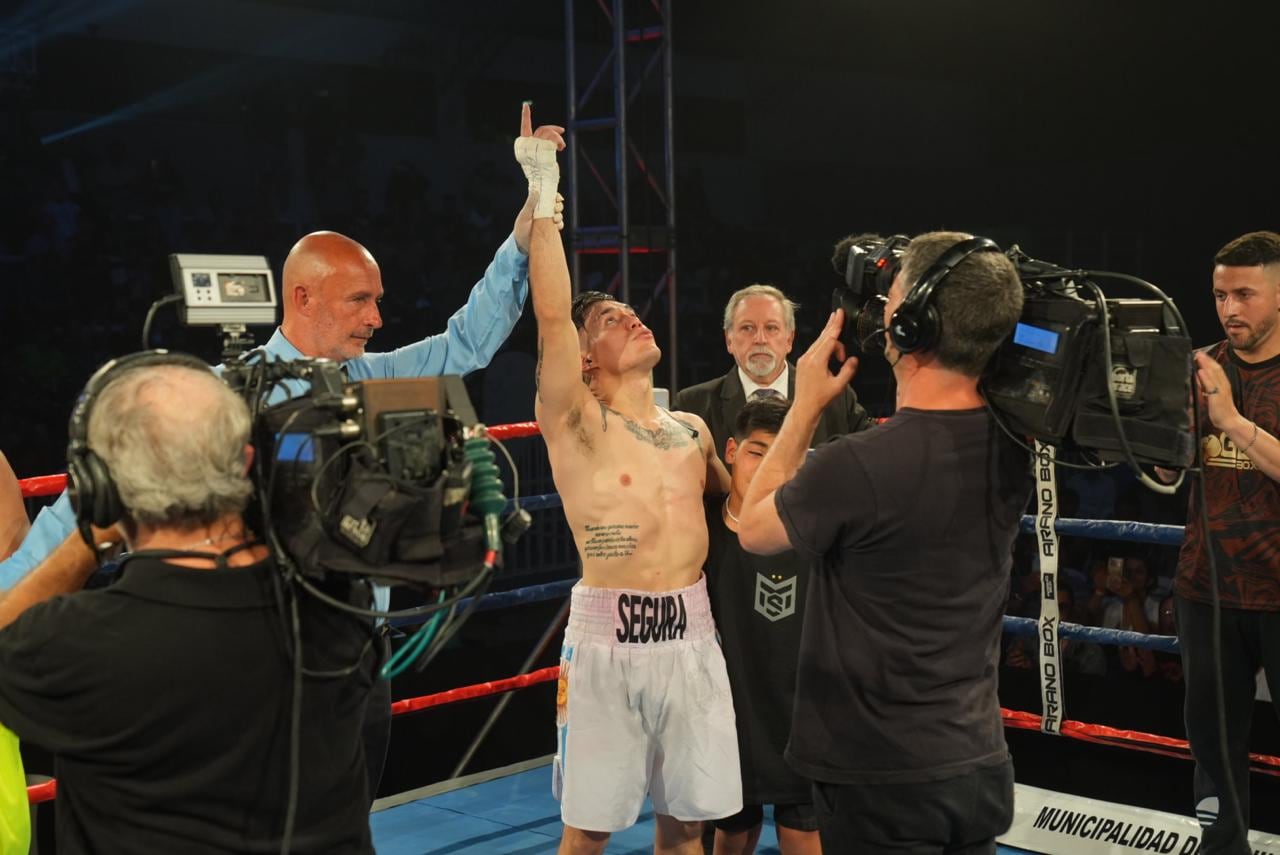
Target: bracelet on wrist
(1252, 439)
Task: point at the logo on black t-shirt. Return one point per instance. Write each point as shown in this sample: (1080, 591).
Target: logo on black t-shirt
(1220, 451)
(775, 596)
(642, 619)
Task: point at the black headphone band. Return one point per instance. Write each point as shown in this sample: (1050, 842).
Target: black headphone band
(914, 325)
(91, 489)
(78, 428)
(922, 291)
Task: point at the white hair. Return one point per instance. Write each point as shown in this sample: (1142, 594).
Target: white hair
(173, 439)
(788, 307)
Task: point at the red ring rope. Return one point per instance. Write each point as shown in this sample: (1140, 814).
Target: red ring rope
(42, 485)
(47, 485)
(1096, 733)
(52, 485)
(479, 690)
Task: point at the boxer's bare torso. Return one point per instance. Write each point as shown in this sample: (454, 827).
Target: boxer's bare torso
(631, 475)
(632, 492)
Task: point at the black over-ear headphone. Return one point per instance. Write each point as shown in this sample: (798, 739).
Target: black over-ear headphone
(92, 492)
(916, 325)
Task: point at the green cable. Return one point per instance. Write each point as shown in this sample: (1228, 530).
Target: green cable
(488, 501)
(413, 648)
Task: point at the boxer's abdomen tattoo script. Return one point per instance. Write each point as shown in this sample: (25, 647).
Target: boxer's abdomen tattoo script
(610, 540)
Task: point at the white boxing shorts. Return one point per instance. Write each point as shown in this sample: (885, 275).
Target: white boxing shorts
(643, 708)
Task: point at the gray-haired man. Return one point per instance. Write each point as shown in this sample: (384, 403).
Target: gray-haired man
(167, 697)
(759, 330)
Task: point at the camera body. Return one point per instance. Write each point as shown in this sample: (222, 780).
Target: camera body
(1107, 377)
(366, 478)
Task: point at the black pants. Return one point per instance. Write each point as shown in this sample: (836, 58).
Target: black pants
(376, 732)
(960, 815)
(1250, 640)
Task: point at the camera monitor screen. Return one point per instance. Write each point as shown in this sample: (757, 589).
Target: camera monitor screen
(224, 289)
(244, 287)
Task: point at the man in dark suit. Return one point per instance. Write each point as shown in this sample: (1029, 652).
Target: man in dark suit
(759, 329)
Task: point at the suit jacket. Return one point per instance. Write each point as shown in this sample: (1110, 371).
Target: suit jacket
(718, 402)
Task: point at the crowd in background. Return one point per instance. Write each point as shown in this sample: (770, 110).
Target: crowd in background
(1103, 583)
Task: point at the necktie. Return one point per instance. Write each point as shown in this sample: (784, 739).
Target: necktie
(765, 393)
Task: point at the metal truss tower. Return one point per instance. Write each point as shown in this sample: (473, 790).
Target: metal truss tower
(622, 215)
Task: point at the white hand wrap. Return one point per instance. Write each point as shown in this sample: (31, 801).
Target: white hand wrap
(537, 157)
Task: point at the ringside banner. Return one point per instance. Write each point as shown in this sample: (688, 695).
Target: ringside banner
(1061, 824)
(1051, 686)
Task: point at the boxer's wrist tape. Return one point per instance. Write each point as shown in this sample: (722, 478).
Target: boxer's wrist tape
(537, 158)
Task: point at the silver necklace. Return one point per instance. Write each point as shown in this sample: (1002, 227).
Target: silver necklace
(736, 521)
(209, 541)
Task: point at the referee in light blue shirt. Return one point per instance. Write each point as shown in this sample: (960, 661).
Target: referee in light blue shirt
(331, 289)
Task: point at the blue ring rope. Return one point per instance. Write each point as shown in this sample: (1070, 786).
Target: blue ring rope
(1139, 532)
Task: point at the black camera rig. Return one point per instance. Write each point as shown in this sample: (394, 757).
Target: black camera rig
(1107, 378)
(385, 479)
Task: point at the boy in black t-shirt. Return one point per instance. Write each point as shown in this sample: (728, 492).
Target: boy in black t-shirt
(758, 605)
(896, 717)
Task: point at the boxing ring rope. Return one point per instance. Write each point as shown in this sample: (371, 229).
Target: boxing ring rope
(52, 485)
(1094, 733)
(42, 485)
(1165, 535)
(1134, 740)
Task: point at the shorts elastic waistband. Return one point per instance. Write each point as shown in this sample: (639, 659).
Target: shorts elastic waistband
(641, 618)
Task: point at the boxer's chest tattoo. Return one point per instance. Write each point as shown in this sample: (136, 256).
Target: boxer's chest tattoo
(669, 434)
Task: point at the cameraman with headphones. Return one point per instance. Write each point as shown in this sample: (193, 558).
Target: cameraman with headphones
(169, 697)
(896, 718)
(331, 289)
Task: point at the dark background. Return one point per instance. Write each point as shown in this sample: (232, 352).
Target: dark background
(1136, 136)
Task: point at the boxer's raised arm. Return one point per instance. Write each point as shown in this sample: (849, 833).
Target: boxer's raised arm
(558, 376)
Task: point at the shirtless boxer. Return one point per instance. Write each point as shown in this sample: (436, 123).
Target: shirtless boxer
(643, 704)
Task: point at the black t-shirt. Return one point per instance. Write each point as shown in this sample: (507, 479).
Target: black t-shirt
(914, 521)
(1244, 504)
(758, 604)
(166, 698)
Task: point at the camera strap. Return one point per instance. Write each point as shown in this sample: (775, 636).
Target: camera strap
(1051, 687)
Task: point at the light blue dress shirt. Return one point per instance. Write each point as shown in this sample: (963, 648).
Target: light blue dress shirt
(470, 339)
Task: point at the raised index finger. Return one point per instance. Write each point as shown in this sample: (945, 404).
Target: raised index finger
(834, 324)
(526, 119)
(1209, 365)
(826, 340)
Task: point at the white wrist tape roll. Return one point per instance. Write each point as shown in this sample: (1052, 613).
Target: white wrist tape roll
(537, 157)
